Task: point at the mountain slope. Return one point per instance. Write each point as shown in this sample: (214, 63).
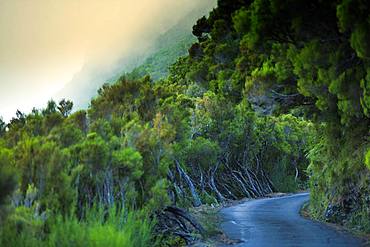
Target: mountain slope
(153, 59)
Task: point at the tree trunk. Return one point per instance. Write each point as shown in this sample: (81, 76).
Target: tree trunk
(196, 200)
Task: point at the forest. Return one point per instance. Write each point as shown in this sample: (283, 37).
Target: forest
(274, 96)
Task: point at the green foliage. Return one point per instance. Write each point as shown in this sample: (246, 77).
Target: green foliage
(159, 197)
(42, 163)
(353, 16)
(241, 21)
(65, 107)
(129, 162)
(94, 152)
(7, 179)
(199, 152)
(367, 159)
(113, 228)
(157, 65)
(67, 135)
(334, 184)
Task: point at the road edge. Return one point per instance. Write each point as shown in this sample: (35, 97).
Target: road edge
(364, 238)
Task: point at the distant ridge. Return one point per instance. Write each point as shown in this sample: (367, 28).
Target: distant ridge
(153, 60)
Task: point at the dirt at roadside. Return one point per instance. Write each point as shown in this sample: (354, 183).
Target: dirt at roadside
(208, 216)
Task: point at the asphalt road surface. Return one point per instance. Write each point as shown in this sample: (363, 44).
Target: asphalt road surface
(276, 222)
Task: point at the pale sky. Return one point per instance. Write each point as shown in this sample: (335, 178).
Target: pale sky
(43, 43)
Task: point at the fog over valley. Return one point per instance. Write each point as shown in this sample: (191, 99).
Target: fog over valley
(68, 49)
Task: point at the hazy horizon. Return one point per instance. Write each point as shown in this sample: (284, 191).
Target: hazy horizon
(45, 43)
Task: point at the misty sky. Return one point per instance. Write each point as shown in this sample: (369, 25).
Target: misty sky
(45, 42)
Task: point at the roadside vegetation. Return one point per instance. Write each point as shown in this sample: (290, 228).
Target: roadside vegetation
(273, 97)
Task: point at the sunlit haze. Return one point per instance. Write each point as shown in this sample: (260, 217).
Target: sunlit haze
(44, 43)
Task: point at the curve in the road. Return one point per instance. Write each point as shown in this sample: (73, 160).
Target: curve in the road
(276, 222)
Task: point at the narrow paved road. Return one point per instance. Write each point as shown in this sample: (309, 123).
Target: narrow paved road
(276, 222)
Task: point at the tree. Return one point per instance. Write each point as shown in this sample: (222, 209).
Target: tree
(2, 127)
(7, 179)
(19, 121)
(65, 107)
(94, 153)
(200, 28)
(50, 108)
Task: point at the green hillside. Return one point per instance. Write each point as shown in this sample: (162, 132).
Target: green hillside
(157, 64)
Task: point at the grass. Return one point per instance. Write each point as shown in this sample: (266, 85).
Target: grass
(100, 228)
